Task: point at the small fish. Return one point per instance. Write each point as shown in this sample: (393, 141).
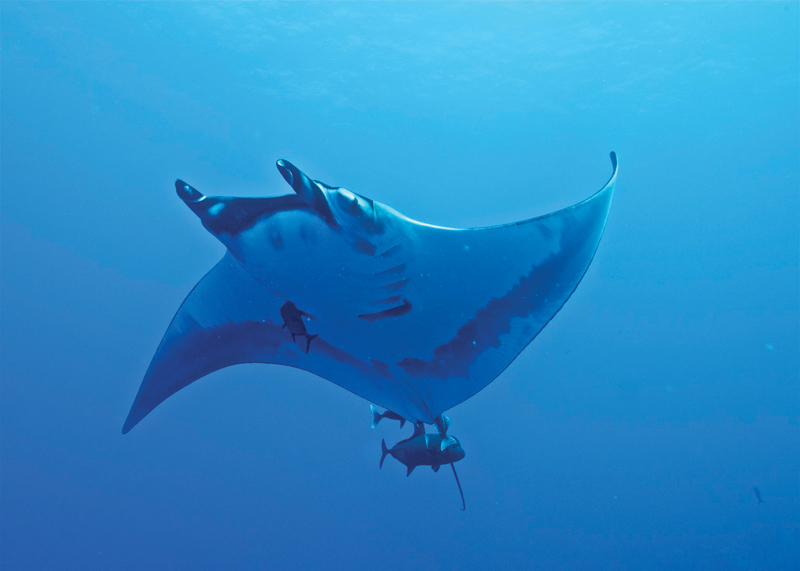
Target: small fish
(293, 319)
(758, 495)
(377, 416)
(425, 450)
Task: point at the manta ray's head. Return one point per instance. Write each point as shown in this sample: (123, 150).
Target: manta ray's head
(289, 225)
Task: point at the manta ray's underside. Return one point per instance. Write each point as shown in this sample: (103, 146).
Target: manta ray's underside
(412, 317)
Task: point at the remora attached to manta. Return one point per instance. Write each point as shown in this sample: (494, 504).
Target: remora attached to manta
(413, 317)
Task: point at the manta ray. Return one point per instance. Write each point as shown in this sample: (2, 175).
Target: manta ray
(413, 317)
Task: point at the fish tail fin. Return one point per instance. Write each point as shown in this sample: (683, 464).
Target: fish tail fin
(376, 416)
(310, 338)
(384, 452)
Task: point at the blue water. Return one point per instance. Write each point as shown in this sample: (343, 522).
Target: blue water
(629, 435)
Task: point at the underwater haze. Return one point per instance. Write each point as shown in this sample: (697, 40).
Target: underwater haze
(632, 433)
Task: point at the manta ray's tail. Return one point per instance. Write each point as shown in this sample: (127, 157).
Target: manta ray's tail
(376, 416)
(463, 503)
(384, 451)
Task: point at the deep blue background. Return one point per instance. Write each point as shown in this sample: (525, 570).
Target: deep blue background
(628, 435)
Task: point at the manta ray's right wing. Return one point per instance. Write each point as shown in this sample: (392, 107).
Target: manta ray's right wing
(489, 291)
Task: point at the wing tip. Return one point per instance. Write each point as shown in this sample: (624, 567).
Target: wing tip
(134, 417)
(126, 428)
(609, 186)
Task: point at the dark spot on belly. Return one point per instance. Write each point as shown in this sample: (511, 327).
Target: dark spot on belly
(305, 233)
(381, 367)
(365, 247)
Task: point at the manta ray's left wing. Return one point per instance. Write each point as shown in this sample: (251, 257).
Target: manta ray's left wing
(231, 318)
(222, 322)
